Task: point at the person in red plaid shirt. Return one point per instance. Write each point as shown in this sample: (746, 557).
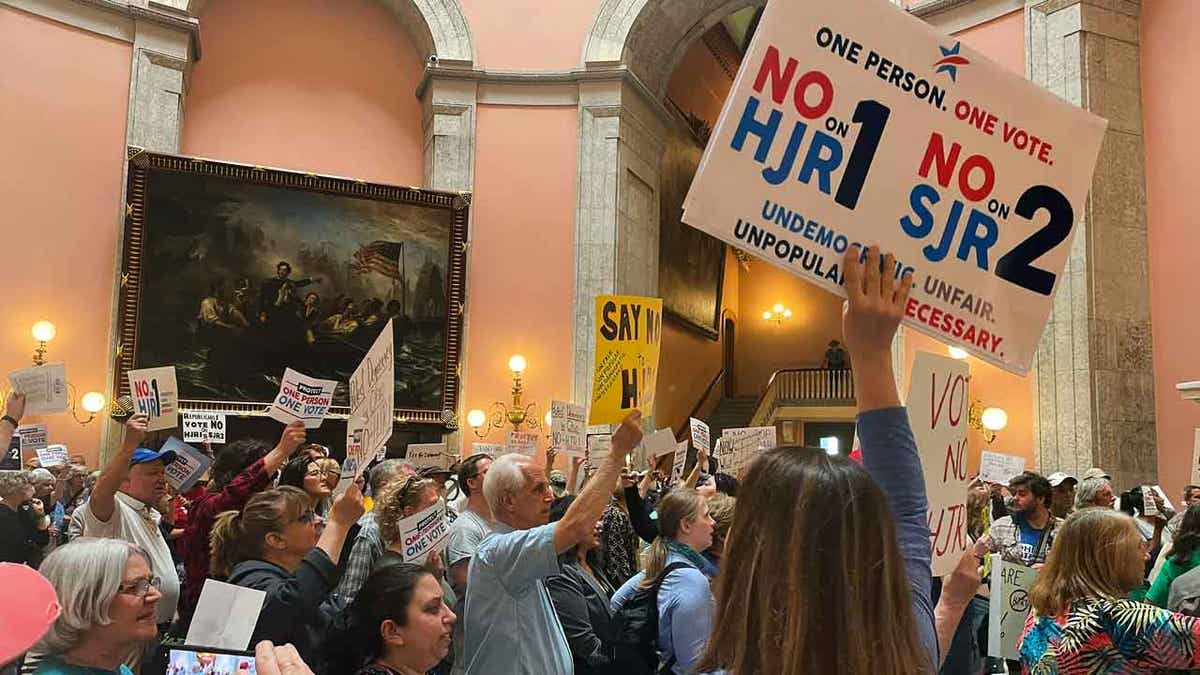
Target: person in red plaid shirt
(242, 469)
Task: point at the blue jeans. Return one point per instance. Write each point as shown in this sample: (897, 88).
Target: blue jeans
(969, 646)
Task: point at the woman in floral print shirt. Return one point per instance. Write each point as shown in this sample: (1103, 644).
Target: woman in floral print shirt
(1081, 621)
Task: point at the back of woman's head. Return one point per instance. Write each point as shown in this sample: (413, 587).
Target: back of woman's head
(394, 499)
(240, 535)
(721, 508)
(677, 506)
(1097, 553)
(812, 580)
(385, 596)
(86, 575)
(1187, 541)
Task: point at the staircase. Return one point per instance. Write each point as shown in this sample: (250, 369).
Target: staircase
(732, 413)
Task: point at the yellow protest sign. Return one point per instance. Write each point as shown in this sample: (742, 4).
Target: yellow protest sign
(628, 337)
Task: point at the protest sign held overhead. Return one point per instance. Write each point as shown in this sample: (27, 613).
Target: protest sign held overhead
(700, 435)
(679, 460)
(996, 467)
(628, 337)
(843, 128)
(357, 455)
(33, 437)
(738, 447)
(373, 390)
(45, 388)
(1008, 607)
(524, 442)
(156, 395)
(52, 455)
(568, 428)
(423, 532)
(659, 443)
(200, 427)
(938, 401)
(302, 398)
(189, 465)
(422, 455)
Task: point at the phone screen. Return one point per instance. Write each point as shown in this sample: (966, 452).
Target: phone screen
(187, 662)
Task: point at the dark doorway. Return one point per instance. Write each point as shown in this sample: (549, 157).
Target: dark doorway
(843, 431)
(727, 357)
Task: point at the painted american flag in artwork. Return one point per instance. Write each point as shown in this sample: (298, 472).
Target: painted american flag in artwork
(383, 257)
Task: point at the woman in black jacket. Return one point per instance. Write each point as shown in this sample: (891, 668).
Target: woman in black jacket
(581, 597)
(272, 545)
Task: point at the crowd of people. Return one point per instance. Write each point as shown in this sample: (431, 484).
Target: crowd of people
(804, 563)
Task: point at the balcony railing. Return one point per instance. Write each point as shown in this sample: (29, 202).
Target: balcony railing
(804, 387)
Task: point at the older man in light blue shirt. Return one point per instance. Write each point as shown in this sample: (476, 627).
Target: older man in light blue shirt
(510, 626)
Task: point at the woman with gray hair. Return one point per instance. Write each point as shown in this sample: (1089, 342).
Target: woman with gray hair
(24, 528)
(1094, 491)
(109, 598)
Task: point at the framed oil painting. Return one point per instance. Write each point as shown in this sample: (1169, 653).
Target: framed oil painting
(233, 273)
(691, 264)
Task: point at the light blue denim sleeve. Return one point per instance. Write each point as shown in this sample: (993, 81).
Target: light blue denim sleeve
(687, 603)
(521, 557)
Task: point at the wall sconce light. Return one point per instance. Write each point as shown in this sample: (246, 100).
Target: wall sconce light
(501, 413)
(778, 314)
(91, 403)
(987, 420)
(958, 353)
(43, 332)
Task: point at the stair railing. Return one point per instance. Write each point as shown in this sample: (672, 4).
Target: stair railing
(706, 403)
(804, 386)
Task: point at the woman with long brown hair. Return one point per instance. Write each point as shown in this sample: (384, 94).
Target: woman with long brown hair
(827, 565)
(1082, 620)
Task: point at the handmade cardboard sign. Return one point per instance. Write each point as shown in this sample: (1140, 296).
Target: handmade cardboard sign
(200, 427)
(996, 467)
(524, 442)
(302, 398)
(938, 399)
(857, 122)
(422, 455)
(738, 447)
(373, 391)
(628, 337)
(45, 388)
(678, 461)
(700, 435)
(189, 465)
(1009, 606)
(423, 532)
(568, 428)
(155, 393)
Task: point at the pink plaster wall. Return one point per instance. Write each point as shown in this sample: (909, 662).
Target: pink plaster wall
(521, 263)
(326, 86)
(1170, 61)
(1002, 40)
(529, 34)
(62, 128)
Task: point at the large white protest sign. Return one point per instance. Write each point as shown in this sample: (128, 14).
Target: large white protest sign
(568, 428)
(680, 459)
(52, 455)
(938, 400)
(1009, 606)
(423, 532)
(524, 442)
(857, 122)
(996, 467)
(373, 390)
(33, 437)
(156, 394)
(422, 455)
(701, 439)
(199, 427)
(225, 616)
(302, 398)
(189, 465)
(45, 388)
(738, 447)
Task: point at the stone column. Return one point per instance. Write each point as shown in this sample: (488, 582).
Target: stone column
(621, 138)
(1095, 381)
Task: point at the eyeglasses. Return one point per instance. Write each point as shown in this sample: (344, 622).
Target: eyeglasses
(141, 587)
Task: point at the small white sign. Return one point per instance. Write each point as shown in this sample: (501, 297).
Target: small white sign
(701, 439)
(524, 442)
(45, 388)
(52, 455)
(568, 428)
(659, 443)
(599, 448)
(156, 394)
(302, 398)
(33, 437)
(996, 467)
(422, 455)
(739, 447)
(681, 449)
(189, 465)
(199, 427)
(225, 616)
(423, 532)
(1009, 606)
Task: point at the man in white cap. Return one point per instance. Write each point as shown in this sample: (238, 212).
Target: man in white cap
(1063, 500)
(1096, 472)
